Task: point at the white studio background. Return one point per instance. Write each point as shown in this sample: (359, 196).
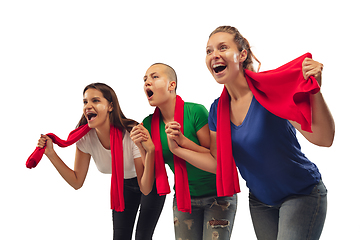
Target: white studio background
(50, 50)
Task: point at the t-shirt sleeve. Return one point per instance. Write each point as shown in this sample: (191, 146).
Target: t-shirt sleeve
(200, 116)
(147, 123)
(213, 116)
(81, 145)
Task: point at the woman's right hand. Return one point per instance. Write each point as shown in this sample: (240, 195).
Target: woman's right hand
(46, 142)
(141, 137)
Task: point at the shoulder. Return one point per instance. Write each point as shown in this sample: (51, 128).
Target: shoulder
(147, 122)
(195, 108)
(87, 142)
(214, 105)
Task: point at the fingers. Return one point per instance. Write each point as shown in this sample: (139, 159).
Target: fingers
(139, 134)
(43, 140)
(311, 67)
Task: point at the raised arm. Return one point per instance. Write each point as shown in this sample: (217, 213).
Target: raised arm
(145, 165)
(74, 178)
(194, 154)
(323, 125)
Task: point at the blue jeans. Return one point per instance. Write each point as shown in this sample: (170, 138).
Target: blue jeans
(210, 218)
(299, 217)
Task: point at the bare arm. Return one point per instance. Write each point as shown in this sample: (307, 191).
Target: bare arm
(323, 125)
(200, 159)
(74, 178)
(172, 130)
(145, 165)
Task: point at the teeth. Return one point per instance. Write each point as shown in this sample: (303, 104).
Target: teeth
(218, 65)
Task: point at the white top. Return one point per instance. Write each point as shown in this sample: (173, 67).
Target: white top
(91, 144)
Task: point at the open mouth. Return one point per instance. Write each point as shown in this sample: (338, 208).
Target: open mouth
(219, 68)
(149, 93)
(91, 116)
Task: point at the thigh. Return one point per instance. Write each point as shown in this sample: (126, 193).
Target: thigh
(265, 219)
(188, 225)
(123, 222)
(150, 210)
(219, 216)
(303, 217)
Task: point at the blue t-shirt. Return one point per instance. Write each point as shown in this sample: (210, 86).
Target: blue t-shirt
(268, 155)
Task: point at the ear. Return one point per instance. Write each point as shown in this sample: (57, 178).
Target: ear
(172, 86)
(111, 107)
(242, 56)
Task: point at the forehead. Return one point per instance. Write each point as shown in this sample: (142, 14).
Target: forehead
(220, 37)
(92, 92)
(158, 68)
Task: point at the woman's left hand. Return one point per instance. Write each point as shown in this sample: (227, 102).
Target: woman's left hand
(311, 67)
(173, 132)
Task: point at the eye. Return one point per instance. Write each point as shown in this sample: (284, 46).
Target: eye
(223, 47)
(155, 76)
(85, 102)
(208, 51)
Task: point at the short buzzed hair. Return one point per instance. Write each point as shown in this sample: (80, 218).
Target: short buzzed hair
(170, 72)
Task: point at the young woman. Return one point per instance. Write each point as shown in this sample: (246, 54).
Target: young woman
(102, 110)
(288, 199)
(198, 212)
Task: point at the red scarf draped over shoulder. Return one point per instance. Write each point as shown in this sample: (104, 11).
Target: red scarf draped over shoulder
(181, 178)
(117, 165)
(283, 92)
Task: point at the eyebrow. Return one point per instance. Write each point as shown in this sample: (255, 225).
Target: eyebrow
(92, 98)
(151, 74)
(220, 43)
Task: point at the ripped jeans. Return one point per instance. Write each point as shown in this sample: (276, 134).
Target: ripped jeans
(210, 218)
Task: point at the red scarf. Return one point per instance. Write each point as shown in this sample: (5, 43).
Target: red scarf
(283, 92)
(117, 177)
(181, 177)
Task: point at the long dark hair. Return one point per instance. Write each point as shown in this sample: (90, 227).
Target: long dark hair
(117, 118)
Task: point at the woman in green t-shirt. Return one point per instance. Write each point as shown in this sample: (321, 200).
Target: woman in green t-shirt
(208, 216)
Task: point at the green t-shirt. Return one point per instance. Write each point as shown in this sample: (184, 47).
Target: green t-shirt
(201, 183)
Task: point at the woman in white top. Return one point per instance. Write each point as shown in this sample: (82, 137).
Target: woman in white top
(101, 109)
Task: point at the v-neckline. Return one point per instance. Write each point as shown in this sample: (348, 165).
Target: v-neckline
(246, 116)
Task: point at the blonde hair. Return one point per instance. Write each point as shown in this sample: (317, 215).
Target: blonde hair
(242, 43)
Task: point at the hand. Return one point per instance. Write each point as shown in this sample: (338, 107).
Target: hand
(141, 137)
(173, 145)
(312, 68)
(173, 132)
(46, 142)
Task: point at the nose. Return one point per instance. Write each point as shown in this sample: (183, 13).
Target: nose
(87, 105)
(214, 55)
(147, 83)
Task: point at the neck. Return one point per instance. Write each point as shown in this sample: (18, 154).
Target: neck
(103, 134)
(238, 88)
(168, 109)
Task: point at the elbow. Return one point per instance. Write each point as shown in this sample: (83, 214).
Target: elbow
(77, 186)
(326, 141)
(146, 191)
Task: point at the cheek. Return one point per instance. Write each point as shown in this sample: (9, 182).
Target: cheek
(102, 107)
(159, 84)
(233, 56)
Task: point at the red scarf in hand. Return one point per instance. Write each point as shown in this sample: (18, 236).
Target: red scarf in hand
(117, 177)
(283, 92)
(181, 177)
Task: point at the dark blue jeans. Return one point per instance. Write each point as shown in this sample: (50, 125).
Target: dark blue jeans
(299, 217)
(150, 210)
